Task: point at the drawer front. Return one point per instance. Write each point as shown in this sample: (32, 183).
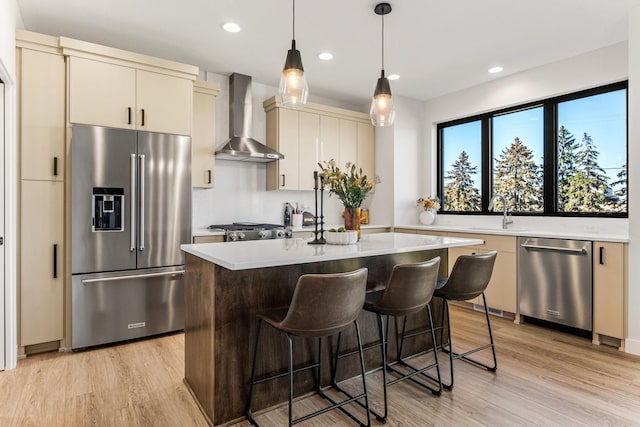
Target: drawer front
(492, 242)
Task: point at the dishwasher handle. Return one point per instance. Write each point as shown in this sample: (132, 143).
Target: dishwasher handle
(581, 251)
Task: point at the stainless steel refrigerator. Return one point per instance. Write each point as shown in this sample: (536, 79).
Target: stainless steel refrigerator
(131, 211)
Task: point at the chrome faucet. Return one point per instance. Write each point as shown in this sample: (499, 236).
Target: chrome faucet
(506, 219)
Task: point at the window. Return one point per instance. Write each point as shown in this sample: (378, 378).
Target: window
(517, 155)
(462, 158)
(592, 153)
(562, 156)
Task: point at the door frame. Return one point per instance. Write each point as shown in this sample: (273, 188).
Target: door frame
(10, 221)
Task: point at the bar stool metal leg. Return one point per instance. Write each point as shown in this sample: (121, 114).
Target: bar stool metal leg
(253, 375)
(420, 371)
(465, 356)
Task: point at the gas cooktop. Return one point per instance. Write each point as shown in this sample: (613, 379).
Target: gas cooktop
(239, 231)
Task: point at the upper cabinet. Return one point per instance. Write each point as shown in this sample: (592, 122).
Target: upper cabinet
(41, 101)
(204, 134)
(315, 134)
(114, 88)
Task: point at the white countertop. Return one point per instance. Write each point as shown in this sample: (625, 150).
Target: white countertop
(523, 231)
(277, 252)
(200, 232)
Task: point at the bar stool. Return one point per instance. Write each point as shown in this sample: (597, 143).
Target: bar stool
(468, 279)
(322, 305)
(408, 291)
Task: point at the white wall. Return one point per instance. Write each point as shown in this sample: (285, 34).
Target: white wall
(10, 19)
(409, 165)
(632, 344)
(240, 187)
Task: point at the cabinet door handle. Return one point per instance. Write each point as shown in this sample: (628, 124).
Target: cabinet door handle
(142, 124)
(283, 180)
(601, 255)
(209, 175)
(55, 166)
(129, 115)
(55, 261)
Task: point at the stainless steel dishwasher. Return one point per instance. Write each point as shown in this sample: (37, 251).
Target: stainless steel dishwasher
(555, 281)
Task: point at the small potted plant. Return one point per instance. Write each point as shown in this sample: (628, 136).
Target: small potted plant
(430, 206)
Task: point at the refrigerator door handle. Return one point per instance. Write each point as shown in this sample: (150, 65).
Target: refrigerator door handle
(133, 203)
(142, 201)
(134, 276)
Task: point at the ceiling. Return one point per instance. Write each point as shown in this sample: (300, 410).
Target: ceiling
(437, 47)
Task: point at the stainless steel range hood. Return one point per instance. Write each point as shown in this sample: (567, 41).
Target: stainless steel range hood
(240, 146)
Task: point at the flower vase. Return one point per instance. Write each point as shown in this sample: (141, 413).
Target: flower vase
(352, 219)
(427, 217)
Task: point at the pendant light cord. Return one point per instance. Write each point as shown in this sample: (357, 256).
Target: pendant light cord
(294, 19)
(382, 42)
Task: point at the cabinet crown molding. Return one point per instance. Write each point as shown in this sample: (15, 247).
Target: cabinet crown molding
(202, 86)
(325, 110)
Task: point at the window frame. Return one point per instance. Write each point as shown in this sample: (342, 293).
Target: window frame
(550, 115)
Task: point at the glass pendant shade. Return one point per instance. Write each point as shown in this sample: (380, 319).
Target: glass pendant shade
(293, 83)
(382, 111)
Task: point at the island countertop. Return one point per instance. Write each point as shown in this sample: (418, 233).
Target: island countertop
(278, 252)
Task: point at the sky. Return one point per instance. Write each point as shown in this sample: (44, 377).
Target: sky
(602, 116)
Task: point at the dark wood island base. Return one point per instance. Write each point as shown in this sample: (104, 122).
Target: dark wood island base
(220, 327)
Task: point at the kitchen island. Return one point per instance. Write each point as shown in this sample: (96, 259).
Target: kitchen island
(226, 284)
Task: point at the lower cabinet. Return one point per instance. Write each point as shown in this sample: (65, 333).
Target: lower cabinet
(501, 291)
(208, 239)
(609, 267)
(41, 262)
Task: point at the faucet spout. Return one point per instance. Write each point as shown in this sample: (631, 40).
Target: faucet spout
(506, 219)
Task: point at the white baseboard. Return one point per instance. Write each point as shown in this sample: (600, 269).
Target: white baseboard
(632, 346)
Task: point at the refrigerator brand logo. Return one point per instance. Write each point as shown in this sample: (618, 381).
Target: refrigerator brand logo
(136, 325)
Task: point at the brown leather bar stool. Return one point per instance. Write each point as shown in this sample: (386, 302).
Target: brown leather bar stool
(468, 279)
(322, 305)
(408, 291)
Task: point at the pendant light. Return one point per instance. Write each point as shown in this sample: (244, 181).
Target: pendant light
(293, 83)
(382, 111)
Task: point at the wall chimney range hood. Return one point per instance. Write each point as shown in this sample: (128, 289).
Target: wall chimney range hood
(240, 146)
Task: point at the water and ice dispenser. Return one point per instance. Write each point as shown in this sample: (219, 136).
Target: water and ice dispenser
(108, 209)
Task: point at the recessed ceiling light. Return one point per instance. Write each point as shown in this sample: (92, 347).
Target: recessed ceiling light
(494, 70)
(393, 76)
(231, 27)
(325, 56)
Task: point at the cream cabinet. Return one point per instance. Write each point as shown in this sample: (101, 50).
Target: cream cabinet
(106, 94)
(315, 134)
(609, 281)
(42, 114)
(41, 262)
(308, 142)
(41, 127)
(502, 288)
(208, 239)
(203, 138)
(121, 89)
(365, 156)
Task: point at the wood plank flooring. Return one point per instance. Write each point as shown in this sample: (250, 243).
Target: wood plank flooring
(544, 377)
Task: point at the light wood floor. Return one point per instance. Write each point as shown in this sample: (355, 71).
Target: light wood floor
(544, 378)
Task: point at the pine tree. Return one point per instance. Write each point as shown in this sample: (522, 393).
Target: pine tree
(519, 179)
(568, 160)
(460, 194)
(590, 191)
(620, 190)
